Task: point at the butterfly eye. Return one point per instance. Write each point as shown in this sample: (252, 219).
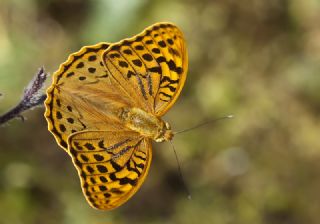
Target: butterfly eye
(168, 126)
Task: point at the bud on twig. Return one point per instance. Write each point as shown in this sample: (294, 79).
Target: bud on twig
(33, 96)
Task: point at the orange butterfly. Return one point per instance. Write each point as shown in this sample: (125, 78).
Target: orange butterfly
(105, 105)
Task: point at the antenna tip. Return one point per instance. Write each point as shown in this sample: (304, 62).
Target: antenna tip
(230, 116)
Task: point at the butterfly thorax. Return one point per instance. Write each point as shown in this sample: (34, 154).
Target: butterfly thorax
(147, 124)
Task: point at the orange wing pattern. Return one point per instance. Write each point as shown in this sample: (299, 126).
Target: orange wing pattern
(111, 165)
(152, 66)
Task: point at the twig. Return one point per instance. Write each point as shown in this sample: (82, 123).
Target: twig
(32, 97)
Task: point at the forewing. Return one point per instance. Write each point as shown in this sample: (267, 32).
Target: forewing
(111, 165)
(152, 65)
(83, 96)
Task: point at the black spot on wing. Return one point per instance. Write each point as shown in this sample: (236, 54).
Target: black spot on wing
(92, 58)
(58, 115)
(92, 70)
(139, 47)
(102, 188)
(126, 180)
(80, 65)
(156, 50)
(137, 62)
(123, 64)
(89, 146)
(62, 128)
(115, 166)
(162, 44)
(103, 179)
(128, 52)
(70, 120)
(84, 158)
(147, 57)
(102, 169)
(98, 157)
(149, 42)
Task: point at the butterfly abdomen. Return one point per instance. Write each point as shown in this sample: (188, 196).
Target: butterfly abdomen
(147, 124)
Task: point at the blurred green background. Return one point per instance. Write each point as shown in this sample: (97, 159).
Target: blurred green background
(256, 59)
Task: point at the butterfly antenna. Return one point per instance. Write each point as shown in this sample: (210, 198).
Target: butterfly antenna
(205, 123)
(180, 172)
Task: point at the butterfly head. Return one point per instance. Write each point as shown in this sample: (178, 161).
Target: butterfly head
(164, 133)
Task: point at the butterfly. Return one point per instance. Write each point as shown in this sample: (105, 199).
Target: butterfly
(105, 104)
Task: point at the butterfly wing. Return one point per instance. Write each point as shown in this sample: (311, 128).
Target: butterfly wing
(83, 96)
(152, 65)
(111, 165)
